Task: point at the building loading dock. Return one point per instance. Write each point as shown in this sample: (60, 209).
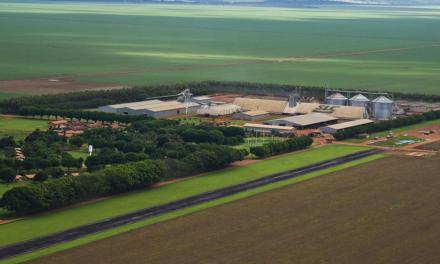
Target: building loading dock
(304, 121)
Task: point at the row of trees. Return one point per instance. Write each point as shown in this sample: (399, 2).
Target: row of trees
(60, 192)
(77, 114)
(274, 148)
(68, 190)
(386, 125)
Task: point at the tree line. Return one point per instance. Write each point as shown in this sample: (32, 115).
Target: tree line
(274, 148)
(386, 125)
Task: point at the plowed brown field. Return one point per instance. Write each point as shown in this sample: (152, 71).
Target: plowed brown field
(387, 211)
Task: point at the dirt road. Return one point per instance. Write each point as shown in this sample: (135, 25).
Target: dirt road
(386, 211)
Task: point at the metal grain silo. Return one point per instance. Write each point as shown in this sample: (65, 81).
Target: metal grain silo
(382, 108)
(337, 99)
(359, 101)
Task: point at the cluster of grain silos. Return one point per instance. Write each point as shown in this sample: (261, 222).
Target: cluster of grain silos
(380, 108)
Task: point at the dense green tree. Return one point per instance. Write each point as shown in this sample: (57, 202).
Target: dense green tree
(68, 161)
(41, 176)
(7, 174)
(55, 172)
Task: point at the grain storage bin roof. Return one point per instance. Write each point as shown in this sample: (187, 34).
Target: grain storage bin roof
(360, 98)
(338, 96)
(382, 100)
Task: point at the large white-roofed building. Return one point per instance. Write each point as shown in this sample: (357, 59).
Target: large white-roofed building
(304, 121)
(153, 108)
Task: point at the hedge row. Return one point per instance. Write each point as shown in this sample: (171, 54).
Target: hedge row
(55, 193)
(386, 125)
(275, 148)
(68, 190)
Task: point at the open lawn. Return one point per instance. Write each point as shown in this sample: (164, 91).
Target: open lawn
(396, 49)
(79, 154)
(20, 127)
(384, 211)
(63, 219)
(399, 141)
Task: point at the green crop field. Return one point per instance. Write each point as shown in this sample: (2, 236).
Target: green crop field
(9, 95)
(20, 127)
(44, 224)
(396, 49)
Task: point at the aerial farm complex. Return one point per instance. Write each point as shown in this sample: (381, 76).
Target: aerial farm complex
(171, 152)
(289, 131)
(288, 114)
